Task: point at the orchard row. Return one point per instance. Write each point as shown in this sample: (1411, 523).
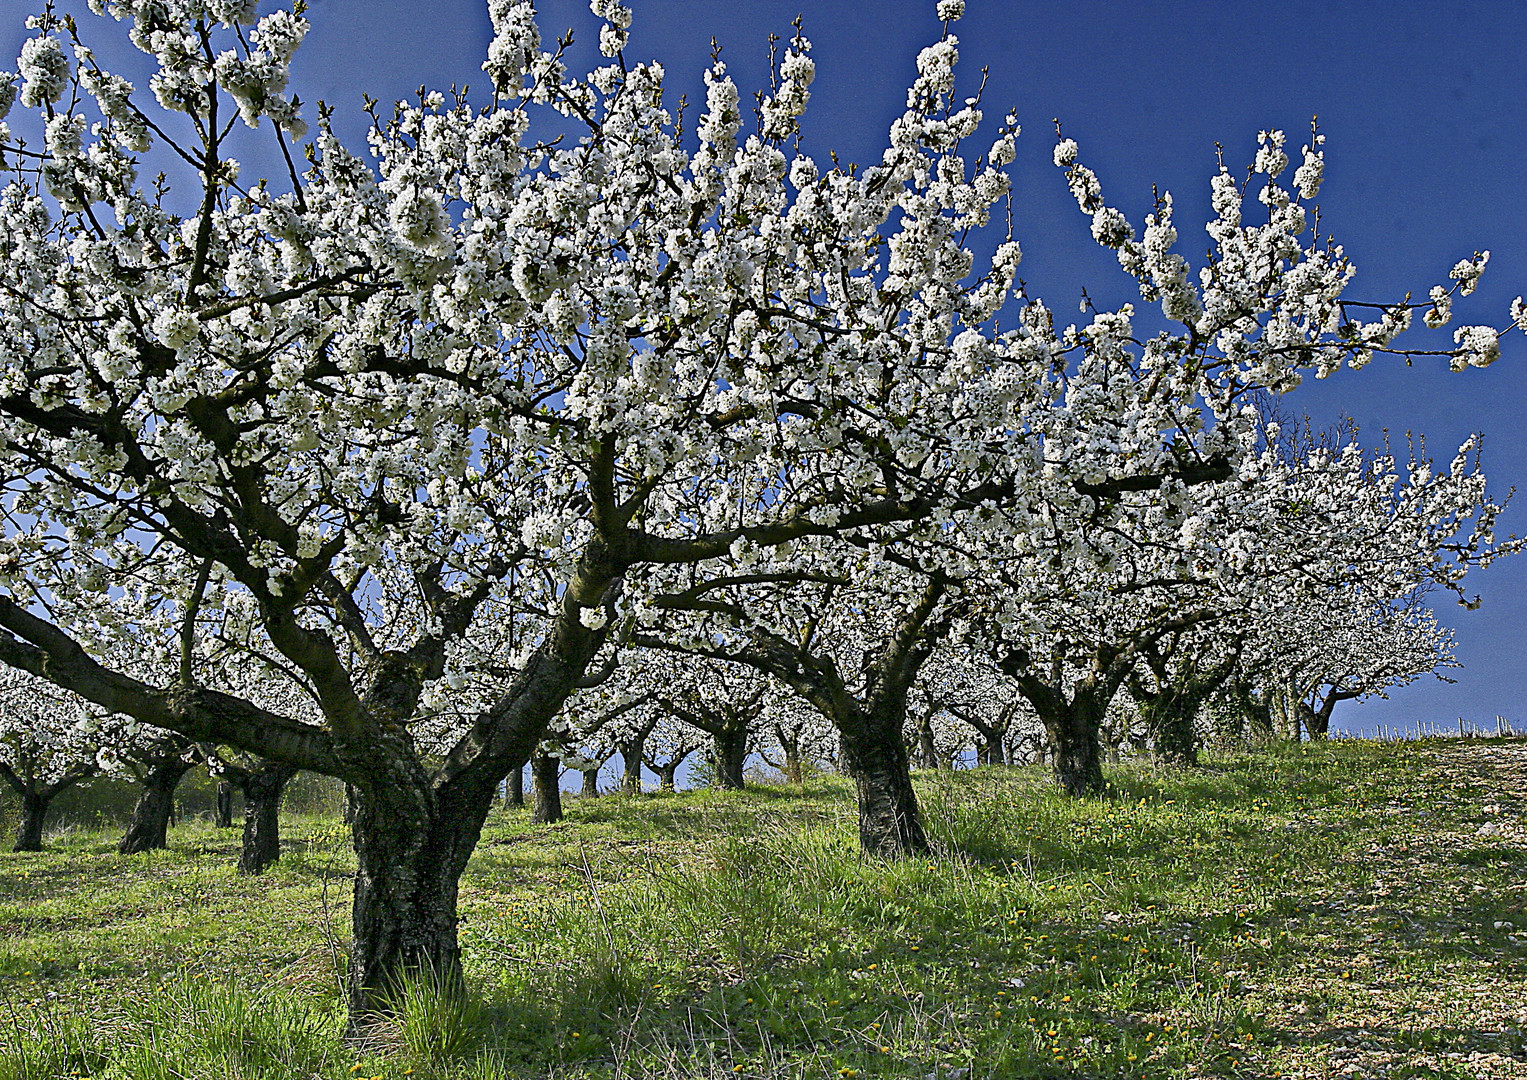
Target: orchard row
(548, 412)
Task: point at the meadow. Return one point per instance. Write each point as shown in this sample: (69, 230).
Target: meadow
(1347, 909)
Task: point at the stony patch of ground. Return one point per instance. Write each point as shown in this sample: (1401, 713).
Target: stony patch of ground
(1440, 985)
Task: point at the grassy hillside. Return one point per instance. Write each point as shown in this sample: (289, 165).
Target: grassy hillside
(1354, 909)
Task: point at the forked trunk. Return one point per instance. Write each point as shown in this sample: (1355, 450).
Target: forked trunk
(150, 823)
(34, 807)
(546, 789)
(1318, 724)
(263, 788)
(665, 775)
(875, 756)
(729, 748)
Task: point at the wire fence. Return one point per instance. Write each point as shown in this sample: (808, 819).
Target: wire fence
(1433, 729)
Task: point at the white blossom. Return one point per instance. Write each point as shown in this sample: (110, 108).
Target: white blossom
(44, 71)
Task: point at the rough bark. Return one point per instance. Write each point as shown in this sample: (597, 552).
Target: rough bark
(263, 788)
(875, 757)
(665, 775)
(1318, 721)
(927, 749)
(515, 791)
(1078, 757)
(148, 830)
(546, 788)
(411, 845)
(34, 807)
(1076, 752)
(631, 751)
(729, 751)
(1171, 721)
(1169, 716)
(590, 789)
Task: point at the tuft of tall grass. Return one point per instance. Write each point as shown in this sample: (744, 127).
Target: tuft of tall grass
(182, 1029)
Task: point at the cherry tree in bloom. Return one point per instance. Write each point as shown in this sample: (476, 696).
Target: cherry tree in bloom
(1344, 647)
(725, 705)
(260, 781)
(982, 706)
(46, 747)
(1080, 610)
(849, 639)
(467, 360)
(1174, 678)
(795, 739)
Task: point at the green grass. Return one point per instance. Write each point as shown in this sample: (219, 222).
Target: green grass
(1309, 912)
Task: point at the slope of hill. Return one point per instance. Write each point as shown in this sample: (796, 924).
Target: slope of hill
(1351, 909)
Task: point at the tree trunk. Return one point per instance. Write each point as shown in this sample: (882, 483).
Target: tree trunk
(665, 774)
(263, 788)
(875, 756)
(34, 807)
(729, 751)
(590, 784)
(927, 749)
(411, 849)
(1318, 724)
(151, 815)
(1176, 739)
(1076, 752)
(1169, 718)
(223, 815)
(351, 796)
(631, 765)
(546, 789)
(515, 792)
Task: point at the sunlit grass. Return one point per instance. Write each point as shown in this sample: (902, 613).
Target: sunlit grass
(1295, 911)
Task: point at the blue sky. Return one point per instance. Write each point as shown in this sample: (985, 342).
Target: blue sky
(1425, 113)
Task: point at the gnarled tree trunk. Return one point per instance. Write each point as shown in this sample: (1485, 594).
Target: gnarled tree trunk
(1075, 749)
(148, 830)
(875, 756)
(35, 797)
(1171, 720)
(411, 846)
(631, 751)
(263, 788)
